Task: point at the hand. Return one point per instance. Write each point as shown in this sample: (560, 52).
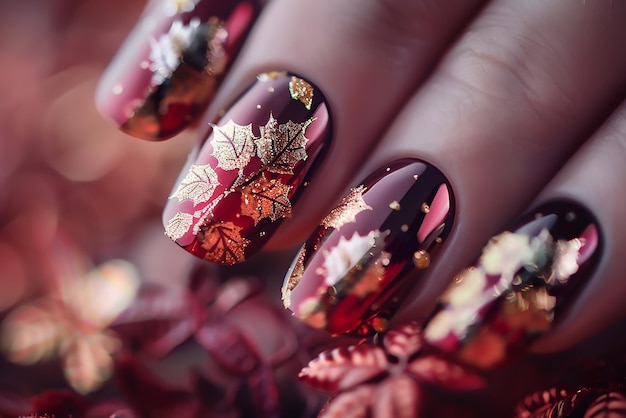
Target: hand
(461, 116)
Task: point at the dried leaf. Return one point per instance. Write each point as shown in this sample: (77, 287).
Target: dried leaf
(266, 199)
(223, 242)
(233, 145)
(282, 146)
(350, 206)
(198, 185)
(345, 367)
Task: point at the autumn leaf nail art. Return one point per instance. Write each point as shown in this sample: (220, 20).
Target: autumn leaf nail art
(171, 65)
(351, 273)
(250, 170)
(519, 284)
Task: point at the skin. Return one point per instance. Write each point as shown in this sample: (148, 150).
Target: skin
(516, 102)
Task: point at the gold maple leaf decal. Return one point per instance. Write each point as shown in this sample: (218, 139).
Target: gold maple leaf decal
(282, 145)
(265, 198)
(233, 145)
(179, 225)
(223, 243)
(351, 205)
(198, 185)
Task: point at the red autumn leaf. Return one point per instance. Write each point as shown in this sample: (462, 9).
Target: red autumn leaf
(345, 367)
(403, 340)
(228, 347)
(353, 404)
(608, 405)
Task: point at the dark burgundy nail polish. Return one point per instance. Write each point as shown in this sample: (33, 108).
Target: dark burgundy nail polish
(250, 170)
(170, 66)
(519, 284)
(349, 275)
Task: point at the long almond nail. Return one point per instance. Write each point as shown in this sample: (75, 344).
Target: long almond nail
(349, 275)
(170, 66)
(520, 283)
(251, 169)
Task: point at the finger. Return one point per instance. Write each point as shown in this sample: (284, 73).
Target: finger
(228, 204)
(559, 265)
(594, 177)
(169, 68)
(511, 102)
(498, 117)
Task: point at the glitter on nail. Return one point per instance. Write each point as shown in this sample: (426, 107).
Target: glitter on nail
(421, 259)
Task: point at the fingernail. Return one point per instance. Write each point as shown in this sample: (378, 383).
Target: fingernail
(516, 289)
(251, 170)
(170, 66)
(349, 276)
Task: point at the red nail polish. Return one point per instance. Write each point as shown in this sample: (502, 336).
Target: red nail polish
(170, 66)
(349, 276)
(250, 170)
(520, 283)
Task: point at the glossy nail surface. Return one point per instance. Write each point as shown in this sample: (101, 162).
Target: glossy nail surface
(170, 66)
(250, 170)
(349, 274)
(521, 281)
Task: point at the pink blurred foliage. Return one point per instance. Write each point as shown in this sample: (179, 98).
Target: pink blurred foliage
(63, 168)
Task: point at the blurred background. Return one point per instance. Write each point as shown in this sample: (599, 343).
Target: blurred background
(64, 171)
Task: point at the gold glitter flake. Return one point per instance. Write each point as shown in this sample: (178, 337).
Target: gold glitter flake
(395, 205)
(351, 205)
(282, 145)
(233, 145)
(302, 91)
(198, 185)
(296, 273)
(425, 208)
(265, 198)
(179, 225)
(272, 75)
(421, 259)
(223, 243)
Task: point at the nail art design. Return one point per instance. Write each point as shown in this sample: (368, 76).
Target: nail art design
(250, 170)
(512, 294)
(349, 275)
(171, 65)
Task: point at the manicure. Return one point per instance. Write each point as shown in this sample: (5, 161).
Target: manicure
(518, 286)
(250, 171)
(350, 275)
(169, 68)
